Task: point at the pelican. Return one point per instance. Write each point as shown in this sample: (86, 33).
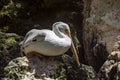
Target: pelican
(49, 42)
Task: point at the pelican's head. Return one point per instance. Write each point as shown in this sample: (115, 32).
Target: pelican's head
(61, 28)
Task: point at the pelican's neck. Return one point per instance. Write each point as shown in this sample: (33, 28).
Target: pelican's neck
(58, 32)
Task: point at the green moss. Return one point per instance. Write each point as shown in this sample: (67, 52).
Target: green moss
(60, 72)
(4, 29)
(10, 10)
(10, 42)
(9, 15)
(9, 49)
(16, 70)
(8, 39)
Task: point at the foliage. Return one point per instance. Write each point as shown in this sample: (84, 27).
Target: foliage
(22, 15)
(8, 49)
(10, 10)
(8, 15)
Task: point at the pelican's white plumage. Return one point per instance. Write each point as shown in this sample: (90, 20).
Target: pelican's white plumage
(48, 42)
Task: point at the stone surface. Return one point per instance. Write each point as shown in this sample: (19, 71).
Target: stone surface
(117, 77)
(9, 49)
(84, 72)
(16, 69)
(111, 68)
(47, 68)
(35, 69)
(101, 30)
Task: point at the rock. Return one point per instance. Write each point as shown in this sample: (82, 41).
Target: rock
(34, 68)
(101, 30)
(110, 70)
(84, 72)
(118, 72)
(8, 41)
(9, 49)
(47, 68)
(16, 69)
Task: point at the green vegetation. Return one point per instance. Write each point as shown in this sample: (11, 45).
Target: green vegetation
(8, 15)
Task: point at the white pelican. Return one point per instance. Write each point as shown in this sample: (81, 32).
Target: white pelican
(49, 42)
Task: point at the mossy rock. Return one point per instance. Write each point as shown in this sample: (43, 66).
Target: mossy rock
(23, 68)
(16, 69)
(47, 68)
(8, 41)
(73, 72)
(9, 49)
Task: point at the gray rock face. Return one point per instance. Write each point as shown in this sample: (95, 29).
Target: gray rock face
(106, 18)
(101, 30)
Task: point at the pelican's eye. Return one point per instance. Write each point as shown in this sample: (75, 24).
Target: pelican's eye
(34, 40)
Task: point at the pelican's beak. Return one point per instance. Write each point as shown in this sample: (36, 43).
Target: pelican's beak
(73, 48)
